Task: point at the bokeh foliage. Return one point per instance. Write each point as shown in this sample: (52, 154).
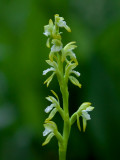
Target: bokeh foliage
(95, 27)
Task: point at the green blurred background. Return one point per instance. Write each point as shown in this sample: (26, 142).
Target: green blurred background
(95, 27)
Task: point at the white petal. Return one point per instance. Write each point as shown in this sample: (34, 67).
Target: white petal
(85, 115)
(49, 108)
(46, 131)
(48, 70)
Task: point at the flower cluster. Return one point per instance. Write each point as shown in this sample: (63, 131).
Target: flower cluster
(62, 62)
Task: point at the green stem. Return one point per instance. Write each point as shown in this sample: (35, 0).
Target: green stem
(66, 129)
(65, 96)
(62, 152)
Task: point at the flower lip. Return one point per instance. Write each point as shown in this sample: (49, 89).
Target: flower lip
(46, 131)
(46, 33)
(76, 73)
(85, 112)
(85, 115)
(49, 108)
(48, 70)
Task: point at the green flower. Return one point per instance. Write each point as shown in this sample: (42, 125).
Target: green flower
(69, 69)
(61, 23)
(54, 107)
(53, 68)
(86, 116)
(68, 51)
(50, 128)
(51, 77)
(82, 111)
(49, 29)
(57, 45)
(75, 81)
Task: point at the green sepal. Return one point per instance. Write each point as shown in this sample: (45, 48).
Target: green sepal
(49, 137)
(54, 100)
(67, 51)
(69, 68)
(78, 122)
(50, 124)
(52, 114)
(75, 81)
(84, 124)
(51, 55)
(55, 94)
(56, 42)
(83, 106)
(49, 79)
(48, 43)
(52, 63)
(67, 28)
(73, 57)
(70, 46)
(51, 22)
